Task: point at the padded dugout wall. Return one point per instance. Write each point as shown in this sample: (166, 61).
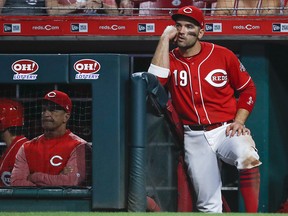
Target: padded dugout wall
(255, 59)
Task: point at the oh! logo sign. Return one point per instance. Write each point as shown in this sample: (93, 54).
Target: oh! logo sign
(87, 69)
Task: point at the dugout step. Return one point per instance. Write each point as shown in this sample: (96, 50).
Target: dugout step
(32, 192)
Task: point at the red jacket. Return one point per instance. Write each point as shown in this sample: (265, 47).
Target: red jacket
(41, 162)
(8, 158)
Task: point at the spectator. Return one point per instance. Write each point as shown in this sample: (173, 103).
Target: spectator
(57, 157)
(11, 130)
(24, 7)
(89, 7)
(160, 7)
(58, 7)
(253, 7)
(284, 5)
(125, 7)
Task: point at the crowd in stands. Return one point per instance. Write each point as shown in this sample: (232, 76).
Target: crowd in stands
(140, 7)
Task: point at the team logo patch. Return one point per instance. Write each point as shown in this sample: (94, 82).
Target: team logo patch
(56, 160)
(217, 78)
(242, 68)
(5, 177)
(250, 101)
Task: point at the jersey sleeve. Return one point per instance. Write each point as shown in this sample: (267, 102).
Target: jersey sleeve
(242, 83)
(76, 163)
(20, 172)
(163, 74)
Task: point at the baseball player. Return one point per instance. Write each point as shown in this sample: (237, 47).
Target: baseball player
(202, 79)
(11, 130)
(57, 157)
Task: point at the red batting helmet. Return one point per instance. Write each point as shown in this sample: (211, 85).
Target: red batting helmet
(191, 12)
(11, 114)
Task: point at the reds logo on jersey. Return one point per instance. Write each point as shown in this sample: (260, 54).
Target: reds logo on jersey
(242, 68)
(56, 160)
(250, 101)
(217, 78)
(6, 177)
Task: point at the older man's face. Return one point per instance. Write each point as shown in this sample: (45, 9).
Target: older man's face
(53, 116)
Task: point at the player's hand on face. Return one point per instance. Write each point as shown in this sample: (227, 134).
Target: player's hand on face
(238, 129)
(170, 32)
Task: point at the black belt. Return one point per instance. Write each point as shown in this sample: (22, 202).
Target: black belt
(208, 127)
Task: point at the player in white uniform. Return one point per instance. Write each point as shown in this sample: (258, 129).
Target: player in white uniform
(202, 79)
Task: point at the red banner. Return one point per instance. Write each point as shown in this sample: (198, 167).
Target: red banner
(136, 26)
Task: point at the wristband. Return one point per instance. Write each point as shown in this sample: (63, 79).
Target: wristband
(158, 71)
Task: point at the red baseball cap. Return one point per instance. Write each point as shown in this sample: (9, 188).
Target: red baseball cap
(60, 98)
(191, 12)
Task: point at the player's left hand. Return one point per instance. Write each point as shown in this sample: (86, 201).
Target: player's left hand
(170, 32)
(237, 128)
(67, 170)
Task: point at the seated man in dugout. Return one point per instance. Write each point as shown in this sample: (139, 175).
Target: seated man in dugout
(247, 7)
(58, 157)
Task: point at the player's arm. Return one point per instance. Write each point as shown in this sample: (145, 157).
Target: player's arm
(20, 172)
(72, 175)
(246, 101)
(160, 64)
(246, 90)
